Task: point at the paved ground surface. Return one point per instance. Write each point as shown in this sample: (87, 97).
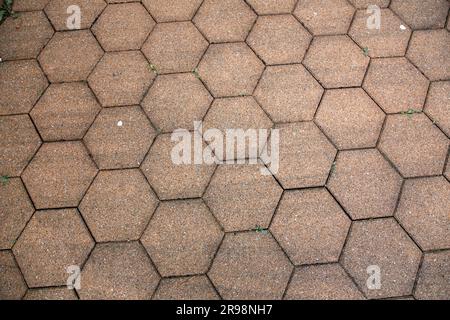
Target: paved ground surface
(87, 179)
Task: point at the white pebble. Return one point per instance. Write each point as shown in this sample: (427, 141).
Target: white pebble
(402, 27)
(120, 123)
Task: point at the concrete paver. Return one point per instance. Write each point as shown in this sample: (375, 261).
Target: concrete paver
(310, 226)
(224, 21)
(396, 85)
(19, 143)
(59, 175)
(65, 111)
(70, 56)
(390, 40)
(118, 271)
(436, 106)
(434, 282)
(415, 146)
(325, 17)
(350, 118)
(322, 282)
(174, 47)
(288, 93)
(118, 205)
(120, 138)
(57, 11)
(116, 31)
(182, 238)
(279, 39)
(186, 288)
(12, 285)
(250, 265)
(422, 14)
(382, 244)
(230, 69)
(50, 294)
(241, 198)
(21, 84)
(365, 184)
(429, 50)
(121, 78)
(175, 101)
(17, 209)
(423, 211)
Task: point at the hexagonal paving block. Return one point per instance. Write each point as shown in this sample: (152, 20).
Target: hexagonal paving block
(241, 197)
(396, 85)
(310, 226)
(365, 184)
(172, 10)
(12, 286)
(434, 277)
(118, 271)
(58, 293)
(59, 175)
(429, 50)
(21, 85)
(118, 205)
(272, 6)
(189, 288)
(447, 171)
(175, 47)
(288, 93)
(422, 14)
(390, 40)
(52, 241)
(336, 61)
(251, 266)
(19, 143)
(225, 21)
(436, 106)
(414, 145)
(16, 211)
(175, 101)
(322, 282)
(58, 11)
(121, 78)
(325, 17)
(350, 118)
(235, 113)
(230, 69)
(364, 4)
(182, 237)
(24, 36)
(305, 156)
(279, 39)
(382, 243)
(424, 212)
(448, 23)
(27, 5)
(120, 137)
(70, 56)
(171, 180)
(123, 26)
(65, 111)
